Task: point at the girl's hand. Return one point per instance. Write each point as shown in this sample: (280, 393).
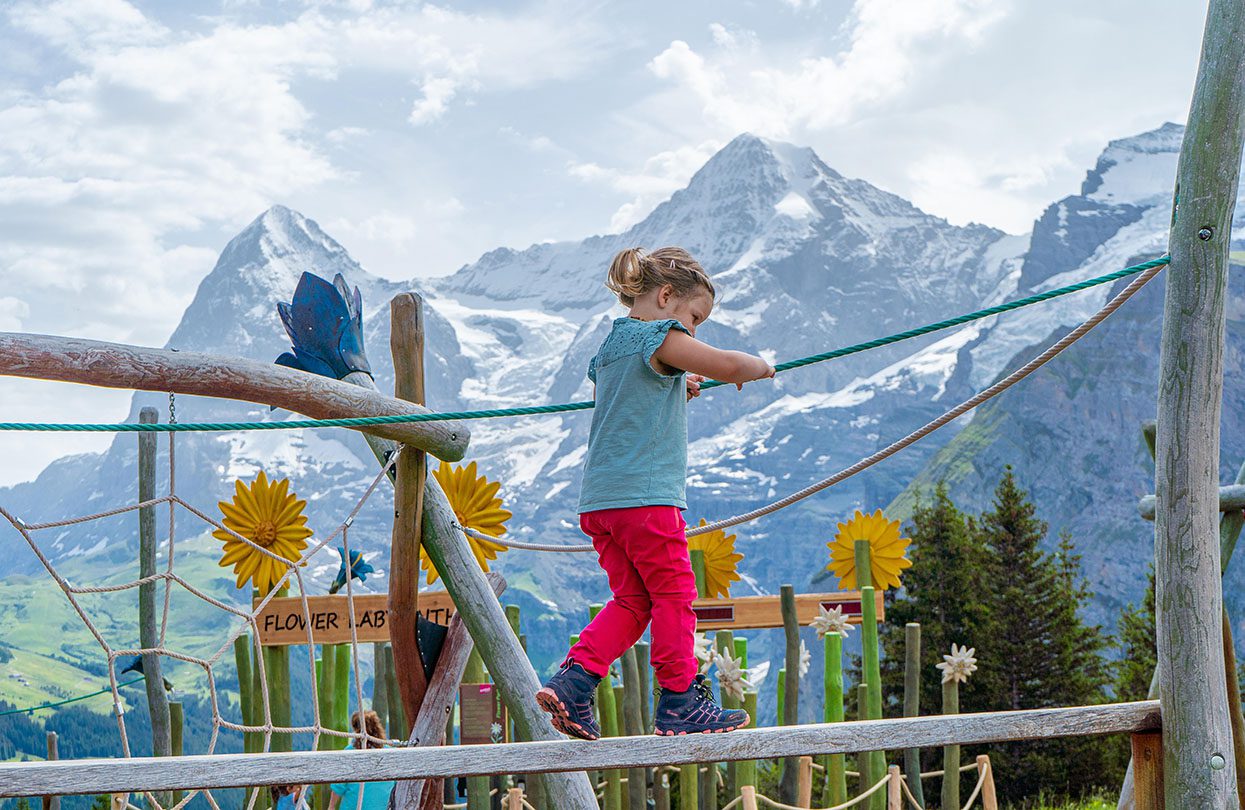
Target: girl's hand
(766, 374)
(693, 386)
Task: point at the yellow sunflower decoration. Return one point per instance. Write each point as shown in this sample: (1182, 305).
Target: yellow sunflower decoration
(721, 559)
(267, 514)
(476, 505)
(886, 550)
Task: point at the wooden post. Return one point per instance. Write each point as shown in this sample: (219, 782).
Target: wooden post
(863, 759)
(912, 705)
(277, 669)
(502, 654)
(477, 786)
(380, 690)
(749, 795)
(746, 774)
(985, 772)
(633, 724)
(870, 666)
(177, 723)
(148, 632)
(406, 341)
(661, 792)
(1196, 728)
(644, 664)
(894, 790)
(608, 713)
(791, 689)
(835, 791)
(1148, 771)
(689, 786)
(724, 640)
(52, 802)
(1234, 703)
(326, 699)
(242, 662)
(804, 782)
(951, 753)
(397, 716)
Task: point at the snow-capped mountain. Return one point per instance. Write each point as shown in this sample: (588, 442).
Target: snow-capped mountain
(804, 260)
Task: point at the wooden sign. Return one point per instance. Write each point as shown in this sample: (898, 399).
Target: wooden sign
(755, 612)
(283, 622)
(482, 715)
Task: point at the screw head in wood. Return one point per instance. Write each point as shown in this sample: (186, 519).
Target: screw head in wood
(1205, 234)
(1217, 762)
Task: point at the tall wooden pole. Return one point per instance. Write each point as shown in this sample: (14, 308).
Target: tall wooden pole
(148, 634)
(912, 706)
(1199, 771)
(406, 341)
(791, 688)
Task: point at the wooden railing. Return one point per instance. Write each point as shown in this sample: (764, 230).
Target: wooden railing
(302, 767)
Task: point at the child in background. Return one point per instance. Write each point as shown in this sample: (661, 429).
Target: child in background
(633, 492)
(375, 794)
(288, 797)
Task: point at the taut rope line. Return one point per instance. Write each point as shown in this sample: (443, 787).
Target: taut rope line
(533, 410)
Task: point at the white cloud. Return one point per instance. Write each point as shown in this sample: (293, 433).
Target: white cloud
(12, 310)
(659, 177)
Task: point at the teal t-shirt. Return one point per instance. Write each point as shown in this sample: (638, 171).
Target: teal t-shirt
(637, 445)
(375, 794)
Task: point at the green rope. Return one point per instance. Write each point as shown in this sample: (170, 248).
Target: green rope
(70, 700)
(366, 421)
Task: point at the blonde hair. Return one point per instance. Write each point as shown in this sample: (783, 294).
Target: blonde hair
(374, 728)
(635, 271)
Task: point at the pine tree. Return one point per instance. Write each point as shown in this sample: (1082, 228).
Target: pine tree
(1043, 653)
(1138, 657)
(944, 591)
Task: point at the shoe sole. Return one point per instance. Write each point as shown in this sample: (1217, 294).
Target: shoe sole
(560, 717)
(661, 733)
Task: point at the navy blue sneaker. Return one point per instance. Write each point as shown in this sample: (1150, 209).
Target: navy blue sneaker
(568, 697)
(695, 712)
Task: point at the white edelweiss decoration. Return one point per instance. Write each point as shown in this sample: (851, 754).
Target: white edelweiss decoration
(959, 664)
(732, 678)
(806, 658)
(756, 674)
(705, 653)
(830, 621)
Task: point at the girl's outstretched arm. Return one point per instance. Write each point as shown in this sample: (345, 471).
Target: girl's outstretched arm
(685, 353)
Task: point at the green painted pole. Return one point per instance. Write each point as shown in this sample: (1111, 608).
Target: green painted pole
(262, 797)
(747, 773)
(698, 569)
(871, 665)
(863, 760)
(779, 696)
(397, 715)
(277, 667)
(689, 786)
(951, 753)
(148, 626)
(835, 764)
(644, 663)
(725, 641)
(242, 661)
(380, 689)
(477, 786)
(177, 724)
(326, 697)
(341, 690)
(790, 681)
(608, 710)
(912, 706)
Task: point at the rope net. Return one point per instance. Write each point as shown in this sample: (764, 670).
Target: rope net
(246, 619)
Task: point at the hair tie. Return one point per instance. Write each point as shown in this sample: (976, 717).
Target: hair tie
(672, 264)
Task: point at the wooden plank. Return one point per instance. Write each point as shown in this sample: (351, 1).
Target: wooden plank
(282, 622)
(1148, 771)
(755, 612)
(1188, 590)
(117, 365)
(234, 770)
(1231, 499)
(406, 341)
(985, 772)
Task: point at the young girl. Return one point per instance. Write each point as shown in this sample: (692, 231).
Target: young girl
(633, 492)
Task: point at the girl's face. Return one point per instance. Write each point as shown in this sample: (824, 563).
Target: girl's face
(691, 310)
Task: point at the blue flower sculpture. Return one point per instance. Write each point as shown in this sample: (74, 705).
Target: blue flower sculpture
(359, 569)
(135, 664)
(325, 325)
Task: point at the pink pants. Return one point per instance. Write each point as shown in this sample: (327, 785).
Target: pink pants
(644, 552)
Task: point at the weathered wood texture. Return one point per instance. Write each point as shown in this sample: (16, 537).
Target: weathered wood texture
(791, 689)
(1231, 499)
(1188, 589)
(232, 770)
(438, 706)
(148, 626)
(503, 655)
(1148, 771)
(985, 772)
(406, 342)
(117, 365)
(52, 802)
(912, 706)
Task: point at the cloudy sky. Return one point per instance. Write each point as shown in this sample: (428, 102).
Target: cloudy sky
(137, 137)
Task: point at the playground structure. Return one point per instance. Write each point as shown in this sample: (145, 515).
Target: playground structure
(1197, 767)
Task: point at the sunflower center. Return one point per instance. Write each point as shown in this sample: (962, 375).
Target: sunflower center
(265, 533)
